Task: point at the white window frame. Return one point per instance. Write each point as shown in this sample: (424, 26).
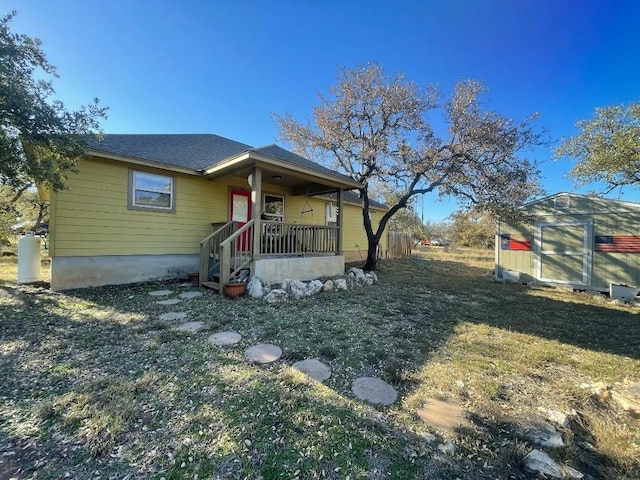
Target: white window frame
(131, 203)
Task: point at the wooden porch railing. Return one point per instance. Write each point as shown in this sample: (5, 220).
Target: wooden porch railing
(236, 252)
(231, 248)
(279, 238)
(210, 248)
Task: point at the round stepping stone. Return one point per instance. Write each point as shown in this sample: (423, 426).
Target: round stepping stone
(169, 301)
(173, 316)
(263, 353)
(160, 293)
(225, 338)
(314, 368)
(191, 326)
(374, 390)
(442, 415)
(188, 295)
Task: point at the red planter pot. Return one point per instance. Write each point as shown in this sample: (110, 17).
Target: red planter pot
(234, 290)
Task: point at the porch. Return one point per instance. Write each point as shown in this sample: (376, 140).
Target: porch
(279, 250)
(267, 244)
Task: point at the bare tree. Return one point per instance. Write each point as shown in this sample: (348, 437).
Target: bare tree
(374, 128)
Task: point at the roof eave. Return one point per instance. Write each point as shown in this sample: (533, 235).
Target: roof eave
(235, 161)
(140, 161)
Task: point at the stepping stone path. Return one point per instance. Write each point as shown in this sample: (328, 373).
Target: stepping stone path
(314, 368)
(173, 316)
(374, 390)
(191, 326)
(442, 415)
(160, 293)
(169, 301)
(225, 338)
(188, 295)
(263, 353)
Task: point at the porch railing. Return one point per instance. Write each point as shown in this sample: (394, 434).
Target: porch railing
(210, 248)
(279, 238)
(236, 252)
(231, 248)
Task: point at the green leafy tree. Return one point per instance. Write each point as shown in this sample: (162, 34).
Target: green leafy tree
(27, 212)
(40, 139)
(375, 129)
(438, 229)
(472, 229)
(607, 147)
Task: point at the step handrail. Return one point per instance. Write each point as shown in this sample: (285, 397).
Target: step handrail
(241, 258)
(210, 245)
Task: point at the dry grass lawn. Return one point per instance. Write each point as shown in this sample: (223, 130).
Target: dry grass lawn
(93, 382)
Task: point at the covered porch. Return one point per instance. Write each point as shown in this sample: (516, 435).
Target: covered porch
(258, 237)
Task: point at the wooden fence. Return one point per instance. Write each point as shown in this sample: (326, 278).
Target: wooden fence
(400, 244)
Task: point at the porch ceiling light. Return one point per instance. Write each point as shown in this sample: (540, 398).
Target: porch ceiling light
(276, 177)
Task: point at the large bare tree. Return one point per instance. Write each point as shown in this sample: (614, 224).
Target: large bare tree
(375, 128)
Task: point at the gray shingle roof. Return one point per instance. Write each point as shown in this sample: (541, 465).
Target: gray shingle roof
(200, 151)
(280, 153)
(192, 151)
(354, 197)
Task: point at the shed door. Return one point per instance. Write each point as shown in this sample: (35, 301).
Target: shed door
(563, 252)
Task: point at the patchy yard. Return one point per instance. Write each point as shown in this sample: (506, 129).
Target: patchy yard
(95, 384)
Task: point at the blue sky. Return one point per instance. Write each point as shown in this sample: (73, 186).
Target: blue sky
(225, 67)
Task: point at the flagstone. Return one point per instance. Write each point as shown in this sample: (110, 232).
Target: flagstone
(225, 338)
(263, 353)
(188, 295)
(374, 390)
(173, 316)
(160, 293)
(191, 326)
(442, 415)
(314, 368)
(169, 301)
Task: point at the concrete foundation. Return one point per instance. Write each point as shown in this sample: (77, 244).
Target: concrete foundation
(82, 272)
(275, 270)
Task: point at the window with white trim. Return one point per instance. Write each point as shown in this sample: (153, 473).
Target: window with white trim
(273, 208)
(150, 191)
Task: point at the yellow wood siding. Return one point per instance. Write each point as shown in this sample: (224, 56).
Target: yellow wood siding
(91, 217)
(354, 238)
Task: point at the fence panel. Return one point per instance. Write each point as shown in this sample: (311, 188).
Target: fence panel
(400, 244)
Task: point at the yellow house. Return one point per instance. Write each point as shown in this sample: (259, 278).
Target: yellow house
(145, 207)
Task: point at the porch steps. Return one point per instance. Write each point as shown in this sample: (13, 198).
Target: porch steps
(212, 285)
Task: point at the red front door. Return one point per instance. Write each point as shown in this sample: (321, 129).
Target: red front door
(241, 213)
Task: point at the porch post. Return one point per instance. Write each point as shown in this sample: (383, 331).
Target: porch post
(339, 222)
(256, 211)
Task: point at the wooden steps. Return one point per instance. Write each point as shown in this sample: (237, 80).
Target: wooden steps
(212, 285)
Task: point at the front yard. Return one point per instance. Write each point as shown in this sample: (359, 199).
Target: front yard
(95, 385)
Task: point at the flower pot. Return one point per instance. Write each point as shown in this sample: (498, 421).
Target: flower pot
(234, 290)
(194, 278)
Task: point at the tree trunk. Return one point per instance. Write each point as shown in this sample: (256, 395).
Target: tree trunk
(372, 256)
